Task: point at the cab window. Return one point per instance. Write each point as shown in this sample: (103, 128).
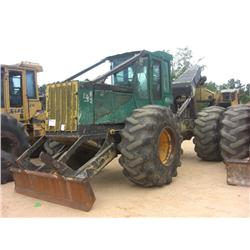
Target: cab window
(142, 78)
(30, 85)
(166, 77)
(135, 75)
(226, 96)
(124, 77)
(15, 88)
(156, 80)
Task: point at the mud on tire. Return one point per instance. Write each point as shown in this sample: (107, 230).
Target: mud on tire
(207, 133)
(235, 132)
(142, 143)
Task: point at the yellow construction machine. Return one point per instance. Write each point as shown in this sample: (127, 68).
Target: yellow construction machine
(222, 132)
(22, 115)
(223, 98)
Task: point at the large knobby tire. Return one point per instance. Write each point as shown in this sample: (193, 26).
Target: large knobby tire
(207, 133)
(235, 133)
(7, 161)
(14, 141)
(150, 146)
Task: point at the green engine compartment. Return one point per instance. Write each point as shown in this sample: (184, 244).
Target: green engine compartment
(104, 104)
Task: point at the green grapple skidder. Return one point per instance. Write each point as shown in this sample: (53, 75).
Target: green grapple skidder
(124, 111)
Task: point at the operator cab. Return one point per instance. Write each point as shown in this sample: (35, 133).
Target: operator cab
(149, 75)
(146, 74)
(19, 89)
(229, 97)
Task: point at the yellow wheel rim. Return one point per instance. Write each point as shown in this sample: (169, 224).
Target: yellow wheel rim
(165, 147)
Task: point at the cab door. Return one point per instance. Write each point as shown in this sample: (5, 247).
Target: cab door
(156, 82)
(15, 89)
(33, 102)
(17, 93)
(160, 88)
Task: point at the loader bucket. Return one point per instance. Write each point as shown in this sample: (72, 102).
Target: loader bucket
(54, 188)
(238, 172)
(54, 181)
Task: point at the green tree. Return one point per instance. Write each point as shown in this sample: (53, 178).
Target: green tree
(211, 86)
(42, 90)
(231, 83)
(245, 94)
(181, 62)
(248, 89)
(245, 98)
(183, 59)
(223, 86)
(235, 84)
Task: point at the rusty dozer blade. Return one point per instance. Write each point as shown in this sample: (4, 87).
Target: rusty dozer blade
(55, 181)
(54, 188)
(238, 172)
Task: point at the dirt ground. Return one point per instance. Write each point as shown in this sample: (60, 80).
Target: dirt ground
(200, 189)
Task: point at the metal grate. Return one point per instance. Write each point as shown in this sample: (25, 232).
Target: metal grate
(62, 106)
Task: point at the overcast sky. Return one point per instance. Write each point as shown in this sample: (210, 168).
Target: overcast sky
(67, 36)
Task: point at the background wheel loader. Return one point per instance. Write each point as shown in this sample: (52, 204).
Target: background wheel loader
(200, 112)
(208, 121)
(22, 117)
(133, 110)
(222, 132)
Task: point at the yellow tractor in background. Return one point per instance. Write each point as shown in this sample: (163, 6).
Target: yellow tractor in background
(223, 98)
(22, 115)
(221, 127)
(211, 107)
(228, 97)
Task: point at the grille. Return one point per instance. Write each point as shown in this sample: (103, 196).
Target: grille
(62, 106)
